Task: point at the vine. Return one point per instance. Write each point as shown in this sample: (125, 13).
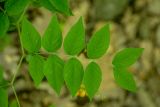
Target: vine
(53, 68)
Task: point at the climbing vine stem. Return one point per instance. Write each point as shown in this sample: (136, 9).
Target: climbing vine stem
(18, 66)
(21, 59)
(14, 91)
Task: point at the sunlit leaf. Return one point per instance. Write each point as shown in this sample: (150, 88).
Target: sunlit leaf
(53, 71)
(31, 39)
(92, 79)
(127, 57)
(36, 64)
(98, 43)
(73, 75)
(125, 79)
(74, 41)
(52, 38)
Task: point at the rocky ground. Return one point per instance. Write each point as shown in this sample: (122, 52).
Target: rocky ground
(133, 23)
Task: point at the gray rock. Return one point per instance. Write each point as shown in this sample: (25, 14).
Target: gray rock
(154, 7)
(130, 22)
(158, 36)
(145, 98)
(118, 36)
(147, 56)
(140, 4)
(144, 29)
(157, 59)
(109, 9)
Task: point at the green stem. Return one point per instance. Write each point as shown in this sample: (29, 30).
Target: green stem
(19, 34)
(18, 67)
(22, 57)
(16, 96)
(21, 17)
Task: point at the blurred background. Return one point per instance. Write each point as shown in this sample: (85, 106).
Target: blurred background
(133, 23)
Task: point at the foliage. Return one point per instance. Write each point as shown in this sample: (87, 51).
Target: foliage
(52, 67)
(73, 75)
(76, 35)
(92, 79)
(53, 70)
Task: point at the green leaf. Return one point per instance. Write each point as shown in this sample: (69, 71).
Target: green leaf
(62, 6)
(73, 75)
(13, 104)
(14, 7)
(31, 39)
(52, 38)
(98, 43)
(125, 79)
(1, 73)
(51, 106)
(53, 70)
(36, 64)
(127, 57)
(4, 83)
(3, 98)
(92, 79)
(5, 41)
(48, 5)
(4, 24)
(14, 20)
(74, 41)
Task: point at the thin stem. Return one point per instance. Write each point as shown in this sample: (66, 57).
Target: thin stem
(22, 57)
(4, 11)
(16, 96)
(18, 67)
(55, 53)
(21, 17)
(19, 34)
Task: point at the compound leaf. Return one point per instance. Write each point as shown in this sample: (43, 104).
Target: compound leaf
(74, 41)
(98, 43)
(31, 39)
(4, 24)
(3, 98)
(127, 57)
(36, 64)
(14, 7)
(92, 79)
(61, 6)
(53, 70)
(52, 38)
(124, 79)
(73, 75)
